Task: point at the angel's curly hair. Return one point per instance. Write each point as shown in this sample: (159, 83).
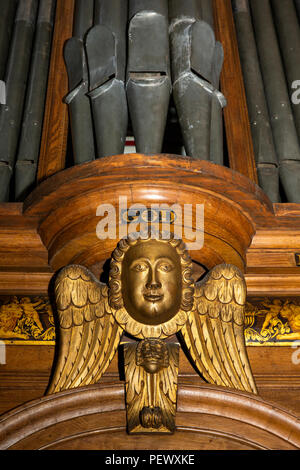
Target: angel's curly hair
(115, 281)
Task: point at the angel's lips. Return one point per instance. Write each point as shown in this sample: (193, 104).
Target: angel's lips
(153, 297)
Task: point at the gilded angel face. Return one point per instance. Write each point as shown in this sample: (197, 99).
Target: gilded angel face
(152, 282)
(153, 355)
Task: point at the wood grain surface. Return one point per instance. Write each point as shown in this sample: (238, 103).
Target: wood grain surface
(93, 417)
(238, 132)
(56, 122)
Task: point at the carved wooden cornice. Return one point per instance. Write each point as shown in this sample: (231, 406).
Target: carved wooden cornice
(80, 417)
(67, 202)
(65, 205)
(57, 223)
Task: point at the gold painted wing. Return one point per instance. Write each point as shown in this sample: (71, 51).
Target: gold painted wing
(168, 378)
(214, 332)
(88, 333)
(136, 386)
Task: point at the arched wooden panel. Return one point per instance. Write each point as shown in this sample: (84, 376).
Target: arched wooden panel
(93, 417)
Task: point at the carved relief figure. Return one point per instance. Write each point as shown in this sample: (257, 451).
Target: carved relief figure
(29, 323)
(151, 296)
(10, 313)
(273, 311)
(281, 321)
(20, 319)
(292, 313)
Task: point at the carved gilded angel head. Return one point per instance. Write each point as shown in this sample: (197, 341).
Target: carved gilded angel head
(151, 279)
(151, 295)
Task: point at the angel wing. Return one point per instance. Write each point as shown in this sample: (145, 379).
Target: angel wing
(89, 335)
(214, 332)
(167, 378)
(136, 387)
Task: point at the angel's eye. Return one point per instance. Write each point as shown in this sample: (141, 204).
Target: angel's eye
(139, 267)
(166, 267)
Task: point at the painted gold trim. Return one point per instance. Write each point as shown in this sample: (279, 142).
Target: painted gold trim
(259, 312)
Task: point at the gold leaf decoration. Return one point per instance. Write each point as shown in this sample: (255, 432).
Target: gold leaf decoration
(26, 319)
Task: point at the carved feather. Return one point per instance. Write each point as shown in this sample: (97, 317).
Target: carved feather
(214, 332)
(89, 335)
(136, 386)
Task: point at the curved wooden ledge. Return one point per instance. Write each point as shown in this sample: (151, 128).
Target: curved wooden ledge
(66, 204)
(93, 417)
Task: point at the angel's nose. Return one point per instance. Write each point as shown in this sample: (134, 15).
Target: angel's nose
(153, 285)
(153, 281)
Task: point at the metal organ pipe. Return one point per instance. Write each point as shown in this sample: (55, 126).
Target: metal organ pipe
(278, 99)
(29, 145)
(16, 80)
(265, 153)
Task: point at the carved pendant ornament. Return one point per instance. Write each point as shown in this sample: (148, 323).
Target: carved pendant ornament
(151, 369)
(151, 296)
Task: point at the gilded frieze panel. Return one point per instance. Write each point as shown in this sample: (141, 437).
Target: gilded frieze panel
(269, 321)
(272, 321)
(26, 319)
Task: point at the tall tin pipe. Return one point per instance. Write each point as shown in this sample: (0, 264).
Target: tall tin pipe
(264, 149)
(113, 15)
(182, 16)
(16, 81)
(8, 10)
(29, 145)
(297, 6)
(216, 123)
(80, 113)
(282, 121)
(106, 54)
(106, 51)
(83, 17)
(148, 84)
(207, 12)
(196, 59)
(288, 31)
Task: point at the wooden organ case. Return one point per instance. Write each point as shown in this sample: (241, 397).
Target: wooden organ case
(55, 226)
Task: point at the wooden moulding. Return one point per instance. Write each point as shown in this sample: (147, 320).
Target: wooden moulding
(24, 264)
(236, 118)
(94, 417)
(56, 122)
(65, 205)
(59, 217)
(271, 258)
(27, 372)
